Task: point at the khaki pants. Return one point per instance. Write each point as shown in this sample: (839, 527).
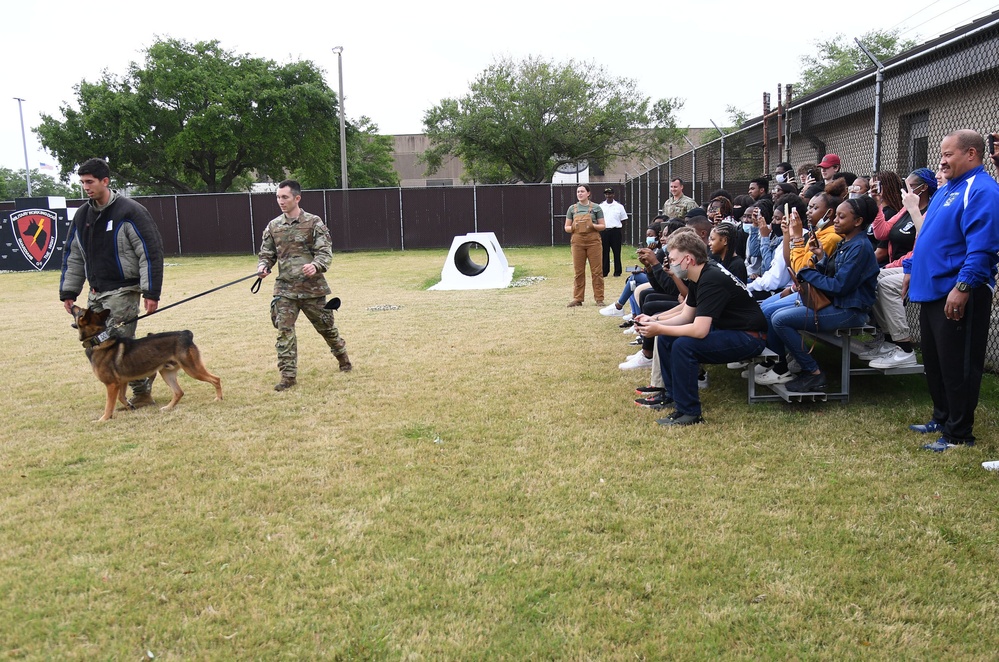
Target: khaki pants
(587, 248)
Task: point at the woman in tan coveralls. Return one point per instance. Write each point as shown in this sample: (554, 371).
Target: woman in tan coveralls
(584, 221)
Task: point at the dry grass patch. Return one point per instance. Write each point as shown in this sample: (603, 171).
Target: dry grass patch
(480, 485)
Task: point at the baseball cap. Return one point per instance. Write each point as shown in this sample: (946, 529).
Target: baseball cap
(608, 190)
(829, 160)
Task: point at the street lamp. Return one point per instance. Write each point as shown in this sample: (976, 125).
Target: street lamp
(24, 141)
(343, 125)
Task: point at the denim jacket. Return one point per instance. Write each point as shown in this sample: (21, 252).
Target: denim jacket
(849, 276)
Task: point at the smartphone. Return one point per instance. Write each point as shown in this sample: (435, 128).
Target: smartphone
(992, 145)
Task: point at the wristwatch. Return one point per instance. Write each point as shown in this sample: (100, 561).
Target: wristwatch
(962, 286)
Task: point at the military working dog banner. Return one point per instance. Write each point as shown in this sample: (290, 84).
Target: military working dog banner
(32, 237)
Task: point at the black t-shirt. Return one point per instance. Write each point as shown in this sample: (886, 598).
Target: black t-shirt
(901, 237)
(721, 296)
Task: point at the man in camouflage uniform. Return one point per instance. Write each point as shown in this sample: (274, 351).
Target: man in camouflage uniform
(300, 244)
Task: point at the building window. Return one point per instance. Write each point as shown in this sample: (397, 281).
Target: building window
(916, 134)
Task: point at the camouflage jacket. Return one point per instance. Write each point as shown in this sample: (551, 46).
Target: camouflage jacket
(292, 244)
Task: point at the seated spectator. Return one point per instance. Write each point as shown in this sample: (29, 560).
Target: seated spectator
(636, 278)
(848, 276)
(722, 250)
(893, 346)
(861, 186)
(899, 230)
(764, 237)
(720, 210)
(783, 189)
(776, 277)
(718, 322)
(759, 188)
(886, 190)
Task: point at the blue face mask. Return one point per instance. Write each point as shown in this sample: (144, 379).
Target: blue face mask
(650, 241)
(746, 227)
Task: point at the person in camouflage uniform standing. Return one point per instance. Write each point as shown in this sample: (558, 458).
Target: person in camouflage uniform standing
(300, 244)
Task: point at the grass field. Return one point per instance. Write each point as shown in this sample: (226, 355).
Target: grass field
(480, 486)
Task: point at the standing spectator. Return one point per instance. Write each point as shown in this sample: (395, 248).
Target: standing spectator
(299, 243)
(610, 238)
(830, 166)
(758, 188)
(784, 174)
(114, 245)
(584, 221)
(953, 274)
(679, 204)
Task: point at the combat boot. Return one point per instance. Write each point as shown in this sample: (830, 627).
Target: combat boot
(344, 361)
(285, 384)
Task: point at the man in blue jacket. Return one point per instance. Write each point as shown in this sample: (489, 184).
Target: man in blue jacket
(953, 275)
(114, 245)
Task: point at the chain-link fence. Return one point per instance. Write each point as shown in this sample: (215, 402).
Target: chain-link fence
(890, 118)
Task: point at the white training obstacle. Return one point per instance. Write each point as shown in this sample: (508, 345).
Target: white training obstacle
(461, 272)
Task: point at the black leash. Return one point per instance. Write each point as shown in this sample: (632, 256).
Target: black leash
(253, 288)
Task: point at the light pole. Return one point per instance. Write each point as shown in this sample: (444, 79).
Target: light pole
(343, 125)
(24, 141)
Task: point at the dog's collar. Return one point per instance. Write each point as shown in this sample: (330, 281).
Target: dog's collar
(101, 337)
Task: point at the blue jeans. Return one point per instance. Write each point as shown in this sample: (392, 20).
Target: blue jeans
(634, 280)
(786, 322)
(680, 359)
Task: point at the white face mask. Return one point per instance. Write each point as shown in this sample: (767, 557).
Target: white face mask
(781, 177)
(854, 196)
(746, 227)
(650, 241)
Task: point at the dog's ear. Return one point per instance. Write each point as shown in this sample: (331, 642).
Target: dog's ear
(103, 315)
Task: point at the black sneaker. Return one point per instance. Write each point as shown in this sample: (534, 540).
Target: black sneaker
(626, 325)
(636, 341)
(807, 383)
(660, 401)
(649, 390)
(678, 419)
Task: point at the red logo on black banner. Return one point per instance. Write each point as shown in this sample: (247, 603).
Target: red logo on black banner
(35, 232)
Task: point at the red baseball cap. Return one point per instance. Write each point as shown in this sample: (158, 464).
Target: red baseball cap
(829, 160)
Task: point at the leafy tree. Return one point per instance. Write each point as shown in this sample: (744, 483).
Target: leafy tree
(521, 120)
(197, 118)
(840, 58)
(369, 160)
(13, 185)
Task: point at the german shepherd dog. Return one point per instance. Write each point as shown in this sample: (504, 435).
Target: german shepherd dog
(117, 361)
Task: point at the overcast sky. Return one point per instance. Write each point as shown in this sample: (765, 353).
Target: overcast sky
(400, 59)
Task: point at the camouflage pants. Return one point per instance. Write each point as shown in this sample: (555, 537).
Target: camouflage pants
(123, 304)
(284, 313)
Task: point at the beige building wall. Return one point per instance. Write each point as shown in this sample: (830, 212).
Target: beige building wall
(409, 147)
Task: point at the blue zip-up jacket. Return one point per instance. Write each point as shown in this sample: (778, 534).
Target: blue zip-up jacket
(855, 274)
(959, 239)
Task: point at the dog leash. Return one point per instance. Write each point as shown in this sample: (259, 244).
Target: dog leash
(253, 289)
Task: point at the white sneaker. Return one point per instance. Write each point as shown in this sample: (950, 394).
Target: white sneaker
(771, 377)
(633, 356)
(876, 350)
(758, 370)
(992, 465)
(860, 348)
(631, 331)
(737, 365)
(635, 363)
(628, 318)
(612, 311)
(896, 358)
(793, 366)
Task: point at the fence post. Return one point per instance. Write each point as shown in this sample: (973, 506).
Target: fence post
(176, 215)
(402, 227)
(878, 93)
(253, 232)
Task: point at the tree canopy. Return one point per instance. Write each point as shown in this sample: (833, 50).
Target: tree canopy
(840, 58)
(520, 120)
(13, 185)
(198, 118)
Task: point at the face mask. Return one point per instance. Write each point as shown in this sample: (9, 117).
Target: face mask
(781, 177)
(746, 227)
(650, 241)
(854, 196)
(678, 271)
